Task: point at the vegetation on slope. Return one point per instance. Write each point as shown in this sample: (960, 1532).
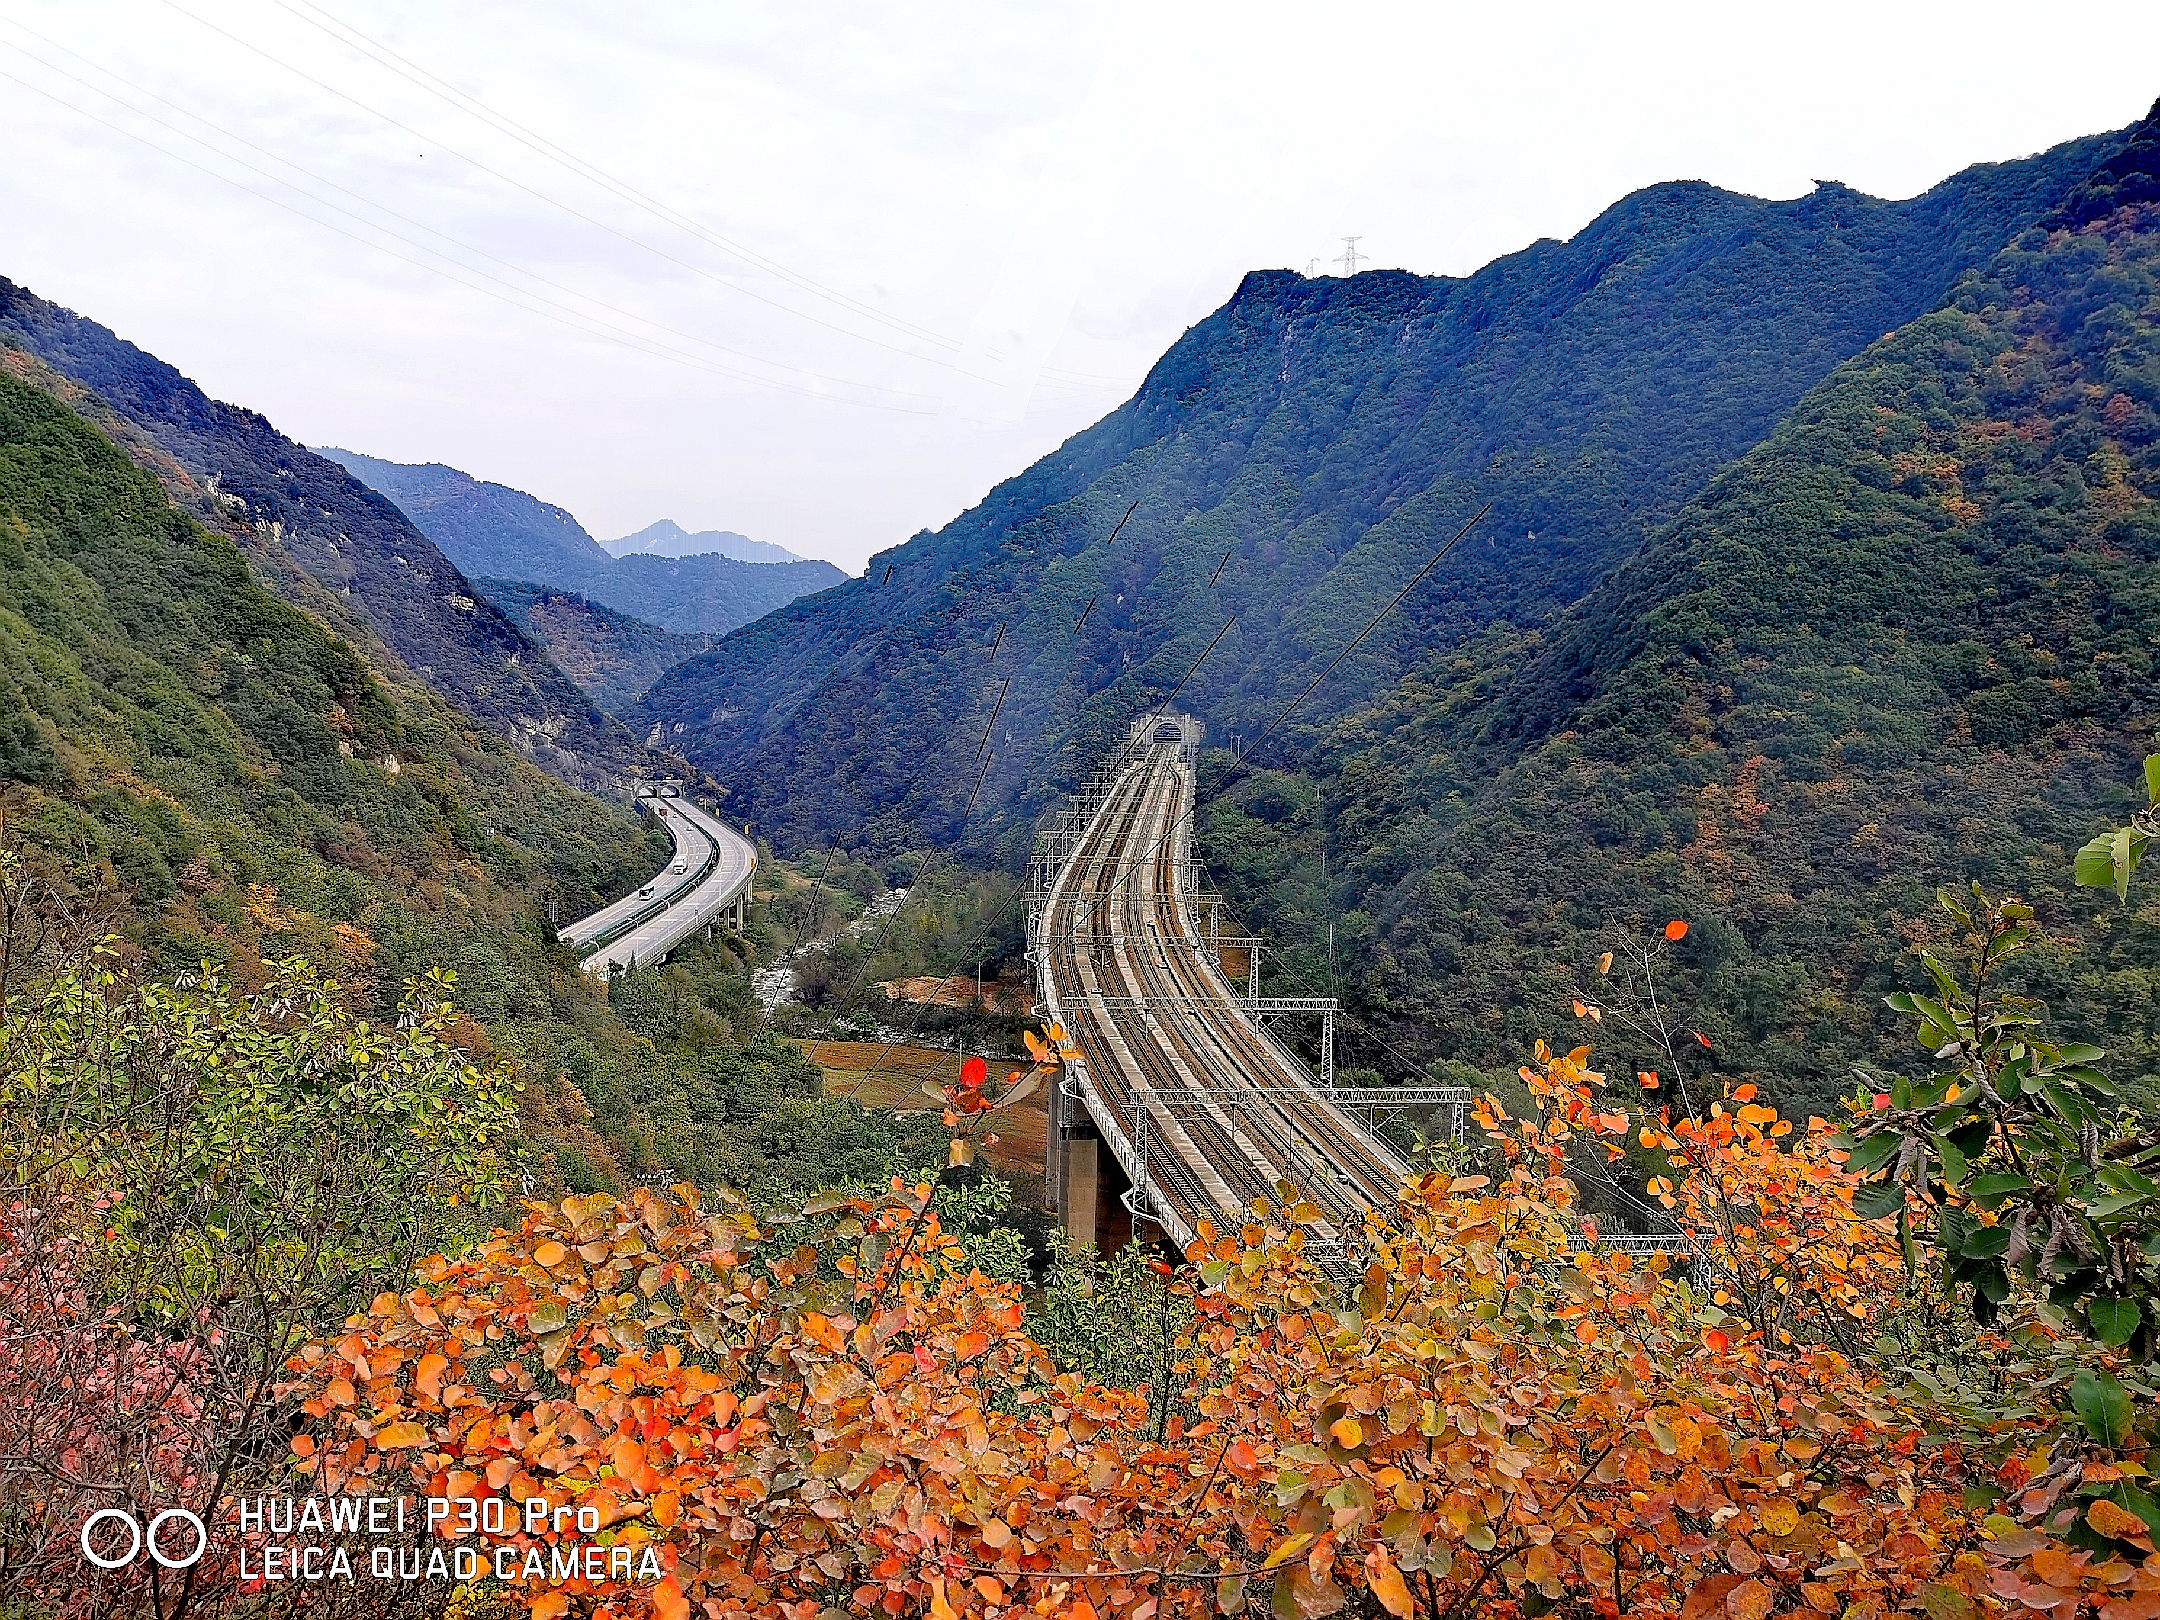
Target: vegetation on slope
(1325, 436)
(245, 789)
(612, 656)
(313, 528)
(1912, 639)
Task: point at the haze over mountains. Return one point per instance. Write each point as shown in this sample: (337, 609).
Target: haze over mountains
(1816, 566)
(667, 538)
(1296, 458)
(654, 603)
(321, 538)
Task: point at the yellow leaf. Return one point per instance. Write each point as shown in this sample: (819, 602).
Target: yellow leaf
(1348, 1433)
(1781, 1518)
(1290, 1547)
(400, 1435)
(2113, 1521)
(1604, 963)
(550, 1253)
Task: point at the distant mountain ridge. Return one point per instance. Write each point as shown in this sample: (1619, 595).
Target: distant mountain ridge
(495, 532)
(1295, 459)
(314, 530)
(667, 538)
(614, 657)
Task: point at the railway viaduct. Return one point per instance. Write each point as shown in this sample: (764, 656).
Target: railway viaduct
(1183, 1103)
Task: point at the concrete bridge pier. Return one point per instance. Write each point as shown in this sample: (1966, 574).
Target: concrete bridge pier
(1083, 1182)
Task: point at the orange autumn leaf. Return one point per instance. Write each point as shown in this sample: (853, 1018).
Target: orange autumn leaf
(1386, 1583)
(1676, 929)
(2112, 1520)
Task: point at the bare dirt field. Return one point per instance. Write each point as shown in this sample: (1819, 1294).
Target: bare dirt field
(892, 1077)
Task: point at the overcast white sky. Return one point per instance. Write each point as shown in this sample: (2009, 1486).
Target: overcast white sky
(822, 273)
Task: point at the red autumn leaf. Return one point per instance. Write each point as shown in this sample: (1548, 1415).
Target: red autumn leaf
(974, 1072)
(1676, 929)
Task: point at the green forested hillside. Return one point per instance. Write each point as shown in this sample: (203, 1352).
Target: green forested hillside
(244, 787)
(321, 538)
(1911, 639)
(493, 531)
(1293, 460)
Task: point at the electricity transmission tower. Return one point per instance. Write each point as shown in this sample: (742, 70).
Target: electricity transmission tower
(1349, 256)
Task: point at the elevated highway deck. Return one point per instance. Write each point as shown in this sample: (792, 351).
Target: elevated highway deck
(712, 872)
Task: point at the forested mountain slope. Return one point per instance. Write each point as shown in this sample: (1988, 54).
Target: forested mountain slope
(495, 532)
(1326, 436)
(161, 713)
(667, 538)
(1912, 639)
(246, 788)
(489, 530)
(300, 512)
(614, 657)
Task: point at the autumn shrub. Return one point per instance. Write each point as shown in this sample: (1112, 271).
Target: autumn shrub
(193, 1180)
(831, 1411)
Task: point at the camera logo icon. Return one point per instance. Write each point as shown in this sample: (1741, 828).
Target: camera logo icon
(153, 1538)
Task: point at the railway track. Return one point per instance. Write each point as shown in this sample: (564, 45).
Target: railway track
(1203, 1108)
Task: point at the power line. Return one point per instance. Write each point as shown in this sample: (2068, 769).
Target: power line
(405, 67)
(544, 308)
(599, 328)
(568, 208)
(1348, 258)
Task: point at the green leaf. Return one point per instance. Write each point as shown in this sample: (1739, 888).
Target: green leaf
(1954, 1167)
(2070, 1108)
(1990, 1190)
(1878, 1199)
(1873, 1152)
(2114, 1204)
(2113, 1320)
(2152, 777)
(1985, 1243)
(2102, 1405)
(2094, 867)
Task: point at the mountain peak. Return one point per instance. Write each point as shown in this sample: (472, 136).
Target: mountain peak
(2129, 177)
(667, 538)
